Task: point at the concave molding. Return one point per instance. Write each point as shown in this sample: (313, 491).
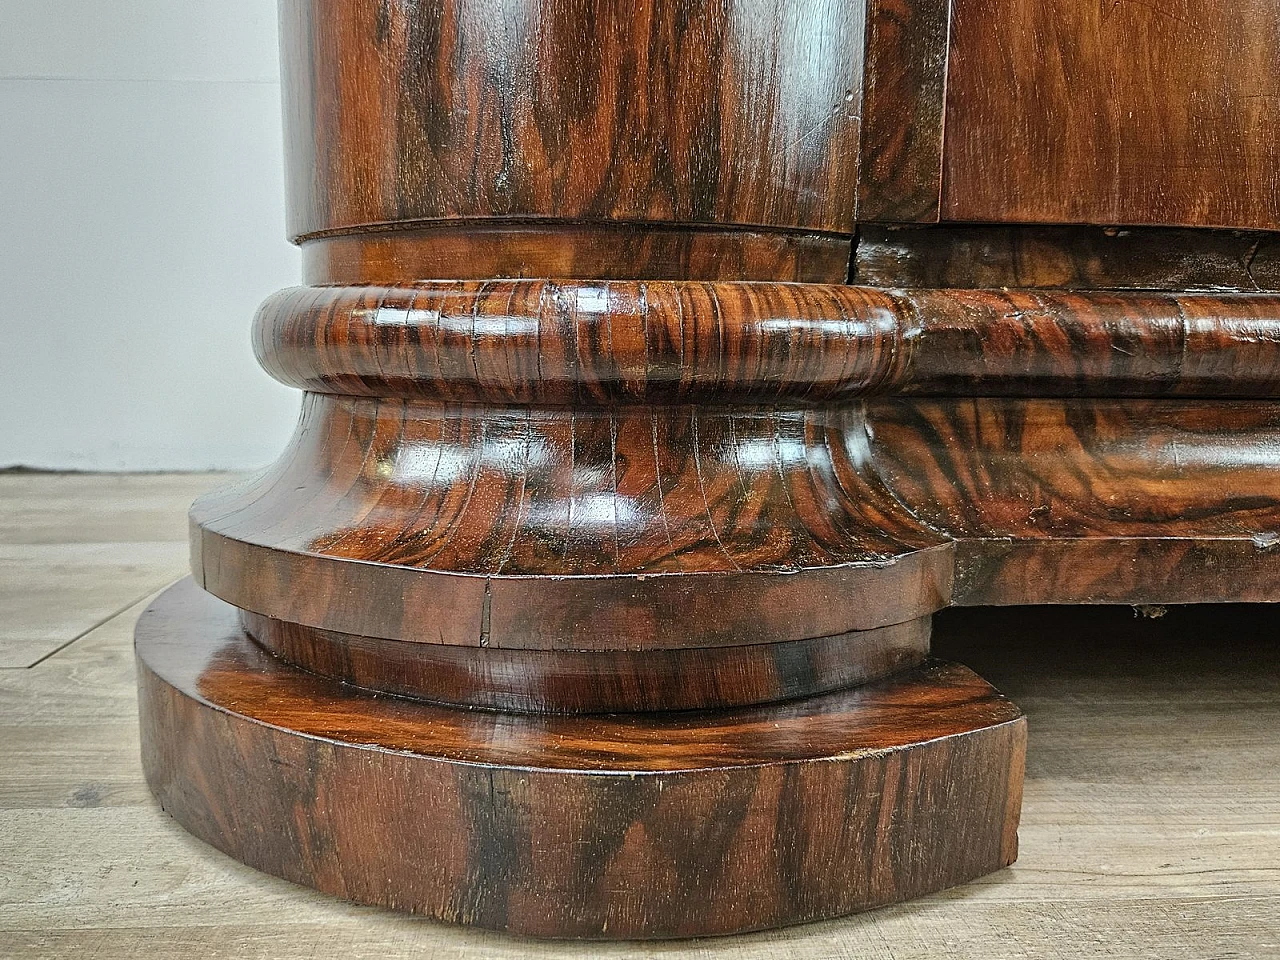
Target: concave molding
(584, 529)
(598, 681)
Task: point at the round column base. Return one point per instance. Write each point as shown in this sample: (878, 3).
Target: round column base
(604, 826)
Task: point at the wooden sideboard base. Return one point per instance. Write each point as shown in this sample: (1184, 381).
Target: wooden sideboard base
(615, 825)
(526, 528)
(591, 596)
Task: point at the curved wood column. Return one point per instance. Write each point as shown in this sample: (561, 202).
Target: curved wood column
(400, 114)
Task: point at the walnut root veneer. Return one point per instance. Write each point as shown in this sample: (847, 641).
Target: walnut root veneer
(649, 416)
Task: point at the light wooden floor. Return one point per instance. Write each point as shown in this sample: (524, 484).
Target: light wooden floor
(1151, 826)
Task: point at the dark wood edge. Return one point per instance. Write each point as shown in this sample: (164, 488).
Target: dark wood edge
(606, 681)
(1086, 258)
(530, 823)
(582, 613)
(478, 249)
(1128, 571)
(1091, 500)
(903, 110)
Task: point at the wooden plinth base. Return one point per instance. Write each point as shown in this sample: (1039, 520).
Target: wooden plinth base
(622, 825)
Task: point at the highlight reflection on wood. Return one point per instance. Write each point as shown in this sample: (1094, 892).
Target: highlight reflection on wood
(608, 826)
(740, 112)
(656, 396)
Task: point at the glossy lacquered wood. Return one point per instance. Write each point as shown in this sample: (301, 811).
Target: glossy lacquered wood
(584, 529)
(743, 113)
(1167, 501)
(593, 344)
(557, 343)
(598, 681)
(1114, 112)
(675, 465)
(609, 826)
(590, 597)
(1093, 501)
(904, 102)
(484, 250)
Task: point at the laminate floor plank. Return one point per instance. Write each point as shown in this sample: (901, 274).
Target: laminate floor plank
(53, 593)
(1191, 929)
(99, 508)
(77, 548)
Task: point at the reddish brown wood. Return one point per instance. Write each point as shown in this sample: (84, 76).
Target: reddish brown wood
(1064, 344)
(731, 113)
(1093, 501)
(1068, 258)
(900, 175)
(1114, 112)
(609, 826)
(596, 529)
(597, 681)
(586, 521)
(483, 250)
(564, 343)
(594, 423)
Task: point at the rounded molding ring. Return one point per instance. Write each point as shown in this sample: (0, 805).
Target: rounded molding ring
(581, 342)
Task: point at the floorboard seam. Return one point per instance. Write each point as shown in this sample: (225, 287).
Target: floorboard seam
(88, 630)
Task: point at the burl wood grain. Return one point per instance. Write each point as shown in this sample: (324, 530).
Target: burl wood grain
(1037, 500)
(591, 595)
(1116, 112)
(640, 466)
(608, 826)
(591, 344)
(743, 112)
(565, 343)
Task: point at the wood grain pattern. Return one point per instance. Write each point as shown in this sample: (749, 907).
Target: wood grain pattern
(742, 112)
(580, 343)
(1114, 113)
(618, 826)
(540, 681)
(1082, 344)
(577, 449)
(484, 250)
(1167, 500)
(644, 466)
(1093, 501)
(595, 344)
(1150, 825)
(585, 529)
(900, 173)
(1068, 258)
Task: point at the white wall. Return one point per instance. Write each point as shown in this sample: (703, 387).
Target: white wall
(141, 223)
